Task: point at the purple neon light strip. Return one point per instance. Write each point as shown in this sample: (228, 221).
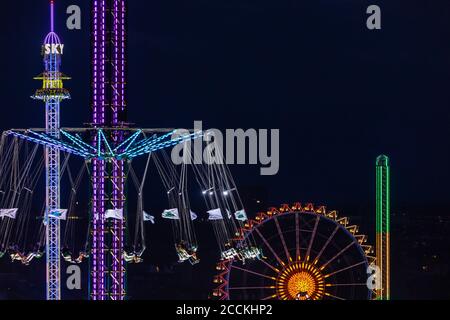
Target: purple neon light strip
(122, 107)
(52, 16)
(102, 231)
(98, 192)
(115, 286)
(95, 269)
(101, 38)
(115, 60)
(95, 189)
(98, 277)
(99, 62)
(117, 289)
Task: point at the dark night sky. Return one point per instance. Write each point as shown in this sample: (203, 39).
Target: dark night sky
(339, 93)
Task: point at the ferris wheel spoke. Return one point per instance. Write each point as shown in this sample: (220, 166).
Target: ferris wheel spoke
(312, 238)
(345, 269)
(333, 296)
(253, 272)
(252, 288)
(337, 255)
(286, 251)
(270, 247)
(270, 297)
(316, 260)
(297, 236)
(269, 265)
(345, 284)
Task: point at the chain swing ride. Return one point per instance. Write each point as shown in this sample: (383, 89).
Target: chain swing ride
(22, 166)
(102, 148)
(31, 224)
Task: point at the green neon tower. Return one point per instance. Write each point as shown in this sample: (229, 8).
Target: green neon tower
(383, 226)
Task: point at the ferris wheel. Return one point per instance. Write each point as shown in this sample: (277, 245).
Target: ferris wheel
(307, 253)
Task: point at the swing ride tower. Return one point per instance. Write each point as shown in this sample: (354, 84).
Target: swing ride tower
(108, 179)
(52, 93)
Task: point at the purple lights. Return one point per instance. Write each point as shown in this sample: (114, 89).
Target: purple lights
(108, 180)
(98, 275)
(98, 241)
(52, 38)
(118, 109)
(52, 16)
(99, 62)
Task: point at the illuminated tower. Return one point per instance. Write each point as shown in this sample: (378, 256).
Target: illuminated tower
(52, 93)
(383, 226)
(108, 180)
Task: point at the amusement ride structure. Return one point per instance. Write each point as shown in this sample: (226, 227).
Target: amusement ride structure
(108, 175)
(383, 226)
(52, 93)
(310, 253)
(107, 148)
(112, 145)
(307, 253)
(298, 252)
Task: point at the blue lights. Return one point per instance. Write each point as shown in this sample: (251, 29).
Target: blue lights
(128, 141)
(76, 140)
(134, 146)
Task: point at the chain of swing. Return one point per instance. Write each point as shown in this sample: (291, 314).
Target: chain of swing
(22, 167)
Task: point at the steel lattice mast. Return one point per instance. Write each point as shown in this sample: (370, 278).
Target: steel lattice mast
(52, 93)
(383, 225)
(108, 180)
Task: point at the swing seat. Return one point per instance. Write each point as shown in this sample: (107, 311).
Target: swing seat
(67, 256)
(251, 253)
(229, 254)
(194, 260)
(128, 257)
